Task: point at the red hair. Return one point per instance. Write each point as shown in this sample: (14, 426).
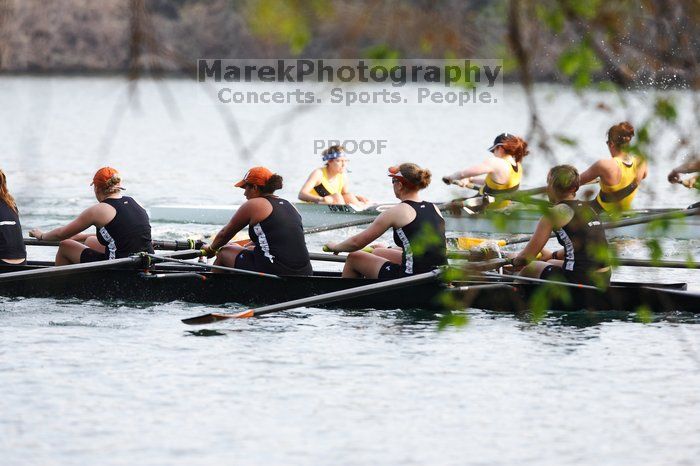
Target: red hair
(515, 146)
(621, 134)
(5, 195)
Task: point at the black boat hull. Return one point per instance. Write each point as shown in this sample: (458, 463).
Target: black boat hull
(185, 283)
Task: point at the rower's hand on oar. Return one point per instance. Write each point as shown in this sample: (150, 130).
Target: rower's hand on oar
(36, 233)
(674, 177)
(208, 251)
(690, 182)
(330, 247)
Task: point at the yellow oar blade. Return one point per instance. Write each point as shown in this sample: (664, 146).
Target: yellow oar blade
(465, 243)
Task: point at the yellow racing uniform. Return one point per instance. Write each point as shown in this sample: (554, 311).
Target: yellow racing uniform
(618, 197)
(512, 185)
(327, 187)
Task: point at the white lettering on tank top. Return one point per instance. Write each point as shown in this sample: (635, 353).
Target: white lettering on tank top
(406, 244)
(568, 250)
(111, 245)
(262, 241)
(8, 222)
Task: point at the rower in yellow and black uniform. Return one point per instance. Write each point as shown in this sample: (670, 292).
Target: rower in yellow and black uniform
(498, 174)
(12, 249)
(620, 175)
(328, 184)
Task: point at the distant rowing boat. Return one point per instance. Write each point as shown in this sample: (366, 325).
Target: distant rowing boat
(166, 283)
(515, 221)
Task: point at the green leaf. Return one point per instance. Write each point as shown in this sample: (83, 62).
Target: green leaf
(644, 315)
(665, 109)
(453, 320)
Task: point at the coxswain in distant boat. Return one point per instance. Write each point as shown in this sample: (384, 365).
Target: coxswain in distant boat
(274, 227)
(419, 232)
(12, 249)
(328, 184)
(620, 175)
(577, 227)
(122, 225)
(500, 173)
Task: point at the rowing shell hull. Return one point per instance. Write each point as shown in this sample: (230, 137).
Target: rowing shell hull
(182, 284)
(505, 222)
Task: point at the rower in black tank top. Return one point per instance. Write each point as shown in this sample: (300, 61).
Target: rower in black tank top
(129, 231)
(422, 241)
(11, 241)
(585, 247)
(280, 247)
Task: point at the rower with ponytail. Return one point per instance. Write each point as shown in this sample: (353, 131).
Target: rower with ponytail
(12, 249)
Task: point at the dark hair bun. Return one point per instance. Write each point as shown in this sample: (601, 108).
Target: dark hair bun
(272, 185)
(621, 134)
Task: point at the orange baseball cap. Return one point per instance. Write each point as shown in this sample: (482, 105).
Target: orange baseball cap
(103, 175)
(257, 176)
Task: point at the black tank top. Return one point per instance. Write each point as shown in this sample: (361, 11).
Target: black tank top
(280, 237)
(583, 239)
(11, 241)
(129, 231)
(422, 240)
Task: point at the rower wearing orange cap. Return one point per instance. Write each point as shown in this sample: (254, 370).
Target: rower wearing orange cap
(328, 184)
(274, 227)
(122, 225)
(419, 231)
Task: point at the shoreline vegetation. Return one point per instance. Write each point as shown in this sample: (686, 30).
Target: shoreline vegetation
(581, 42)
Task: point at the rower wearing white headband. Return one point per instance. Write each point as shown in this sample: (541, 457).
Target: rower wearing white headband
(328, 184)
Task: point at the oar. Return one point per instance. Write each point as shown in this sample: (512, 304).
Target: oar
(320, 299)
(162, 245)
(213, 267)
(319, 256)
(539, 280)
(326, 298)
(631, 221)
(353, 223)
(660, 264)
(62, 270)
(365, 221)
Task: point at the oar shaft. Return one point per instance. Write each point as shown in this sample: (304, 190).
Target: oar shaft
(660, 264)
(344, 294)
(213, 267)
(539, 280)
(163, 245)
(61, 270)
(317, 256)
(353, 223)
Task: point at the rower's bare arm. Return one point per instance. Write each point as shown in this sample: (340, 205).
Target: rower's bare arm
(643, 171)
(239, 220)
(306, 192)
(538, 241)
(84, 221)
(688, 167)
(593, 172)
(376, 229)
(484, 168)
